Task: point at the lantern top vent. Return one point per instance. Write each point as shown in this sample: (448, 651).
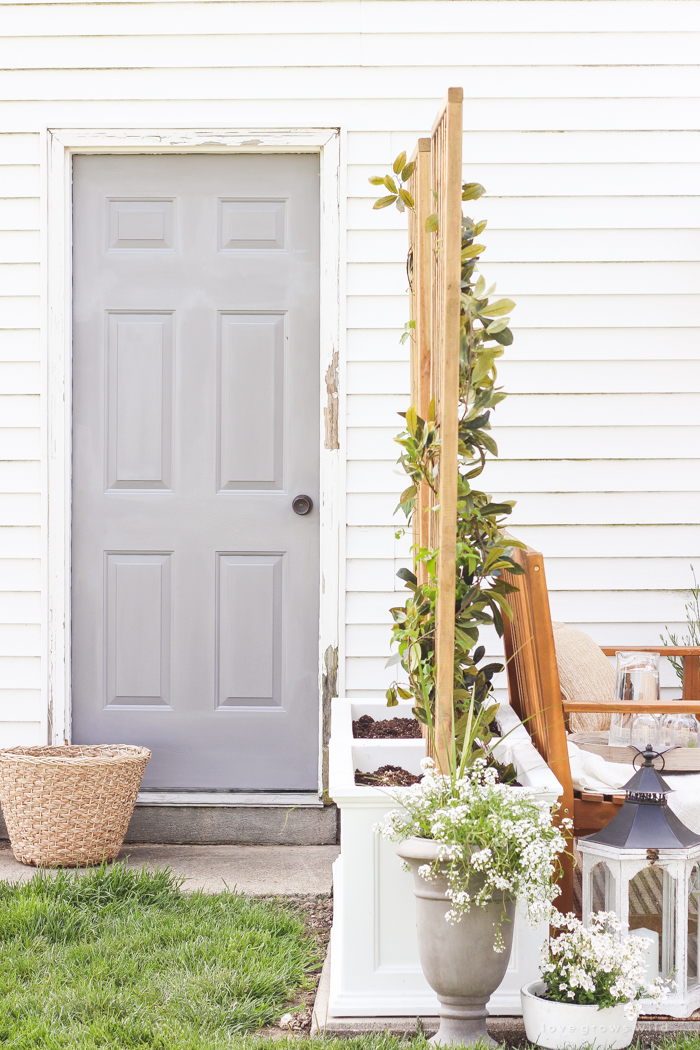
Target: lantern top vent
(645, 820)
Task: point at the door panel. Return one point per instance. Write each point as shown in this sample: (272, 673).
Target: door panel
(195, 586)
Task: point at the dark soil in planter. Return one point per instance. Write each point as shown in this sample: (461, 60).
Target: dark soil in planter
(366, 728)
(387, 776)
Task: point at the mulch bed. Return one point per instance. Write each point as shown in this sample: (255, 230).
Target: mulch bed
(366, 728)
(387, 776)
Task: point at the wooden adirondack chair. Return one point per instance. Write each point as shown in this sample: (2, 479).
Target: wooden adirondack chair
(533, 685)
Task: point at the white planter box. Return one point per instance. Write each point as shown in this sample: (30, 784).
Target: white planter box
(375, 970)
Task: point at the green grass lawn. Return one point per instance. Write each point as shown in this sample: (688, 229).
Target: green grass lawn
(117, 958)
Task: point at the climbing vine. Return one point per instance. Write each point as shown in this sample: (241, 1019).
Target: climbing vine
(484, 552)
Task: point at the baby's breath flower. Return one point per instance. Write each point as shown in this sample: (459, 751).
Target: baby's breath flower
(494, 841)
(596, 965)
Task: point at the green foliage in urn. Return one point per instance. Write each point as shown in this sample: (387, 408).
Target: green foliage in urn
(483, 552)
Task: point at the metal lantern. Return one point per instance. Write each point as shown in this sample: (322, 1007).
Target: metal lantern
(645, 866)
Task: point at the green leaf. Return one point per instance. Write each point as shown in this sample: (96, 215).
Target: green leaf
(472, 251)
(411, 420)
(376, 180)
(497, 309)
(400, 162)
(471, 191)
(390, 184)
(480, 227)
(431, 223)
(408, 171)
(406, 198)
(407, 576)
(498, 325)
(391, 699)
(407, 494)
(505, 338)
(383, 202)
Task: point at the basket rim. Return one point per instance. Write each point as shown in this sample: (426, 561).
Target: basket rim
(112, 753)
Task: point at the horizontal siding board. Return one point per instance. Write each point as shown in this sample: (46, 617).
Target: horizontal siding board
(629, 17)
(20, 476)
(578, 377)
(19, 377)
(19, 149)
(20, 278)
(17, 344)
(20, 639)
(20, 607)
(600, 508)
(565, 180)
(525, 377)
(20, 574)
(542, 311)
(157, 63)
(553, 476)
(596, 409)
(19, 180)
(16, 704)
(20, 213)
(606, 541)
(542, 344)
(20, 443)
(17, 410)
(20, 509)
(20, 672)
(554, 213)
(574, 245)
(21, 734)
(537, 278)
(20, 541)
(510, 114)
(595, 443)
(20, 311)
(19, 246)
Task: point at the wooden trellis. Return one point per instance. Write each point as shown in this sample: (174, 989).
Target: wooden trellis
(435, 370)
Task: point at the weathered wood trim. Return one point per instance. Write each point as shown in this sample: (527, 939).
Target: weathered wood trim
(60, 145)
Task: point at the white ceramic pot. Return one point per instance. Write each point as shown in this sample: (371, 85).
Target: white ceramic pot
(567, 1026)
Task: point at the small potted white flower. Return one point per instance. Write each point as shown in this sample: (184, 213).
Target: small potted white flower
(592, 982)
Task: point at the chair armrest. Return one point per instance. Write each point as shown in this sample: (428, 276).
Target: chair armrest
(681, 707)
(664, 650)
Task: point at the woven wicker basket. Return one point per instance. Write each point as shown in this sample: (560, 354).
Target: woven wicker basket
(68, 807)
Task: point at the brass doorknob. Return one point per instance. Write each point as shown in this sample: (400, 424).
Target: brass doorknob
(302, 504)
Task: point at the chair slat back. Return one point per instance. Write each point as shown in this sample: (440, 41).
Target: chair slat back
(533, 679)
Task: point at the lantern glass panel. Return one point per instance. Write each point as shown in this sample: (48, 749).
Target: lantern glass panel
(693, 901)
(652, 901)
(602, 888)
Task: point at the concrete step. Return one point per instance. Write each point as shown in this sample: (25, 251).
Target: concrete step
(222, 817)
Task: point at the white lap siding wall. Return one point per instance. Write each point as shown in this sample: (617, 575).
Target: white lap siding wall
(582, 121)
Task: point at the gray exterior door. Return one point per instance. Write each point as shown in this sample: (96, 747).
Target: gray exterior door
(195, 585)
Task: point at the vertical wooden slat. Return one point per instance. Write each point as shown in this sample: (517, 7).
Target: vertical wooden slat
(420, 247)
(691, 677)
(447, 183)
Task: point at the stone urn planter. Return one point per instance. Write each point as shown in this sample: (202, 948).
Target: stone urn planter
(458, 959)
(568, 1026)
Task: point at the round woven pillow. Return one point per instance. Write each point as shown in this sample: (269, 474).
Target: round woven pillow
(69, 806)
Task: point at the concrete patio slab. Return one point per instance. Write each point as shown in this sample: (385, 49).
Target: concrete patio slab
(255, 870)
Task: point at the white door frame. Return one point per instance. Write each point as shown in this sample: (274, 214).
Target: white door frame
(60, 146)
